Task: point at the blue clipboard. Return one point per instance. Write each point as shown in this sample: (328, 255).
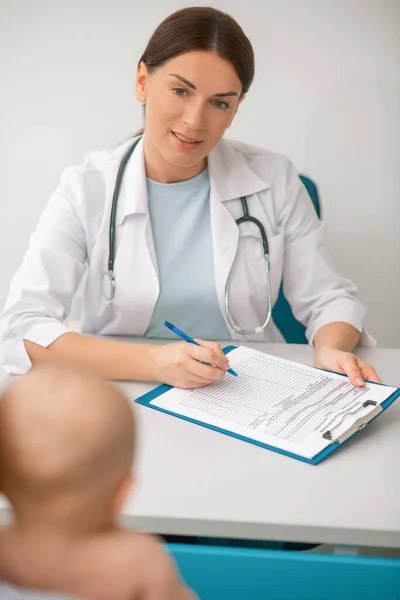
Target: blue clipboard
(146, 399)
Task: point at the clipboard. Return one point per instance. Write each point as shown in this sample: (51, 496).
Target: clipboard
(336, 442)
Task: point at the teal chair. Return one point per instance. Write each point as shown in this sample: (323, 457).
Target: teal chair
(292, 330)
(219, 573)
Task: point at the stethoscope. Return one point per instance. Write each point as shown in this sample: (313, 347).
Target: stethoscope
(109, 276)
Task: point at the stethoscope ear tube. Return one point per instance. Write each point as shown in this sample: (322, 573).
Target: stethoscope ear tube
(249, 219)
(260, 328)
(110, 275)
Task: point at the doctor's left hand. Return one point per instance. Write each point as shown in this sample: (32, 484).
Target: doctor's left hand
(346, 363)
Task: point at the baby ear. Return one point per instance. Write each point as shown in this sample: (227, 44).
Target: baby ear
(121, 493)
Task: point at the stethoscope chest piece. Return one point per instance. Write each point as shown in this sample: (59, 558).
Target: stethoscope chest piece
(108, 285)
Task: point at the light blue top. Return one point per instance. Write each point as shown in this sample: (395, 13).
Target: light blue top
(181, 224)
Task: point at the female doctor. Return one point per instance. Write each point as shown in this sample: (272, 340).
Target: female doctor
(175, 241)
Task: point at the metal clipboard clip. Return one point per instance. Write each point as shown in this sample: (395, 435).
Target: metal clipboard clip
(357, 426)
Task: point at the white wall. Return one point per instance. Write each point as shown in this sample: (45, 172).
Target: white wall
(326, 93)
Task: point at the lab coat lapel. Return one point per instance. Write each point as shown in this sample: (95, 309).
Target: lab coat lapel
(133, 193)
(136, 270)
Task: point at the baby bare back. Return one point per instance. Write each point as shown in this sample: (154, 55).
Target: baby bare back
(118, 565)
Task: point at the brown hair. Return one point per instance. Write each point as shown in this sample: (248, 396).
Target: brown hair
(201, 28)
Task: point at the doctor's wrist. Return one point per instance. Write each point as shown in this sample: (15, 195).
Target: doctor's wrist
(143, 362)
(336, 336)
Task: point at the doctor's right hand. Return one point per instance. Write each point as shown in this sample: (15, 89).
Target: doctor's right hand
(181, 364)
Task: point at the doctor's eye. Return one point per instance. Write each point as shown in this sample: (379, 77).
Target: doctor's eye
(179, 92)
(221, 104)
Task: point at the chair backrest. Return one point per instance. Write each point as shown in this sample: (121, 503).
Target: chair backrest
(292, 330)
(218, 572)
(312, 190)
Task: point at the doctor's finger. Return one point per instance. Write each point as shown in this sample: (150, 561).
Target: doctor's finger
(367, 371)
(195, 381)
(190, 381)
(208, 355)
(349, 365)
(214, 352)
(213, 345)
(206, 371)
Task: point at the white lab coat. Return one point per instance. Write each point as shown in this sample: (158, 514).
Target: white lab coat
(72, 237)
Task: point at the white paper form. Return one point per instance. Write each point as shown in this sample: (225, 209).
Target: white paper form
(277, 402)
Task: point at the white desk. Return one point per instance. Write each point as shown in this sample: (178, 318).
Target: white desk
(194, 481)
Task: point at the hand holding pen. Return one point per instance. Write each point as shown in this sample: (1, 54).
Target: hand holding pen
(190, 340)
(184, 365)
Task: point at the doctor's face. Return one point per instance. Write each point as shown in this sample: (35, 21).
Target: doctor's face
(190, 102)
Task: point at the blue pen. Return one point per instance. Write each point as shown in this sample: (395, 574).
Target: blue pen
(187, 338)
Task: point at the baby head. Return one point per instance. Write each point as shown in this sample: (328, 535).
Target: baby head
(66, 449)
